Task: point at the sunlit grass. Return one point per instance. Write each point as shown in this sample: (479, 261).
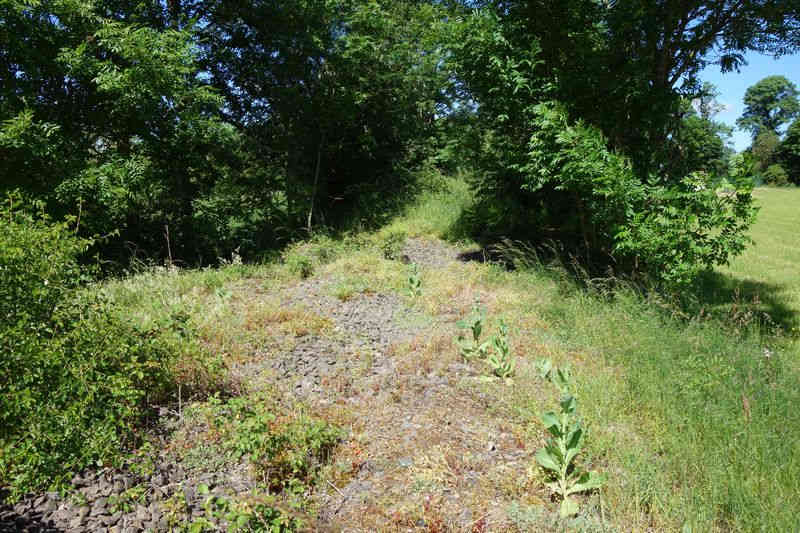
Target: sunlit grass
(692, 418)
(772, 263)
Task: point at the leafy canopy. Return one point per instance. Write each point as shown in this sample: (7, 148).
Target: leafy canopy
(769, 104)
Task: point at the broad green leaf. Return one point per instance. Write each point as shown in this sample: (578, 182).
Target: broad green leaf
(568, 403)
(546, 460)
(544, 367)
(587, 481)
(573, 445)
(551, 422)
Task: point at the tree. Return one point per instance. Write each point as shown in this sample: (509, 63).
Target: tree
(764, 149)
(770, 103)
(335, 93)
(628, 64)
(576, 142)
(699, 144)
(789, 152)
(104, 117)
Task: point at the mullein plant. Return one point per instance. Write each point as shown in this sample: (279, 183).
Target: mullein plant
(501, 360)
(471, 348)
(565, 443)
(414, 281)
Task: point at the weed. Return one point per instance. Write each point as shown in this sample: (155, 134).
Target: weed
(240, 515)
(470, 348)
(392, 245)
(175, 509)
(501, 361)
(567, 439)
(300, 265)
(126, 501)
(284, 448)
(347, 289)
(414, 281)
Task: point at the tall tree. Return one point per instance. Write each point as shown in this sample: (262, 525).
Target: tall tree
(628, 63)
(789, 152)
(769, 104)
(334, 93)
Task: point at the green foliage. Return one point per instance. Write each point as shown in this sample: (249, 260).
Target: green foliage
(300, 265)
(127, 500)
(764, 149)
(688, 228)
(775, 175)
(501, 361)
(392, 245)
(569, 147)
(240, 516)
(414, 281)
(472, 347)
(789, 152)
(77, 379)
(141, 118)
(769, 104)
(567, 435)
(284, 447)
(700, 146)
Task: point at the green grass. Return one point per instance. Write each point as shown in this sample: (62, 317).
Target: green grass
(691, 414)
(768, 270)
(694, 418)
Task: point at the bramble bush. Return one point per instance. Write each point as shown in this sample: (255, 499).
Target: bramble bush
(76, 379)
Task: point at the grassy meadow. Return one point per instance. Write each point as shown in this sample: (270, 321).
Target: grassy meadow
(769, 270)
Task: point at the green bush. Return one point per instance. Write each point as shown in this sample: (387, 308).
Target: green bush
(775, 175)
(570, 187)
(75, 378)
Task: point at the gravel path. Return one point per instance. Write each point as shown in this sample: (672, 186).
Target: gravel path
(366, 326)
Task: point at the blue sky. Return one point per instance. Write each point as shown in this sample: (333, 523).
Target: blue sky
(733, 85)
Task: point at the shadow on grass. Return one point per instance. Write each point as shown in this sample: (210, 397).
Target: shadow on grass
(739, 299)
(736, 301)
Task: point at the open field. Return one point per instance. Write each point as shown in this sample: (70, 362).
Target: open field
(771, 267)
(350, 408)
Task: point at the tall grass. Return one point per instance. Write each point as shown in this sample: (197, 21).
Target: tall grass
(694, 416)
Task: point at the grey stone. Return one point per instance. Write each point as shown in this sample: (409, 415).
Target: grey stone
(142, 514)
(99, 506)
(189, 493)
(76, 522)
(110, 520)
(61, 515)
(155, 512)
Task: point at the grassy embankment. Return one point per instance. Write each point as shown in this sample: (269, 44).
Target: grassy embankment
(692, 418)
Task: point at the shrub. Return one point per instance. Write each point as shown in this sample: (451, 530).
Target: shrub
(567, 185)
(775, 175)
(75, 378)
